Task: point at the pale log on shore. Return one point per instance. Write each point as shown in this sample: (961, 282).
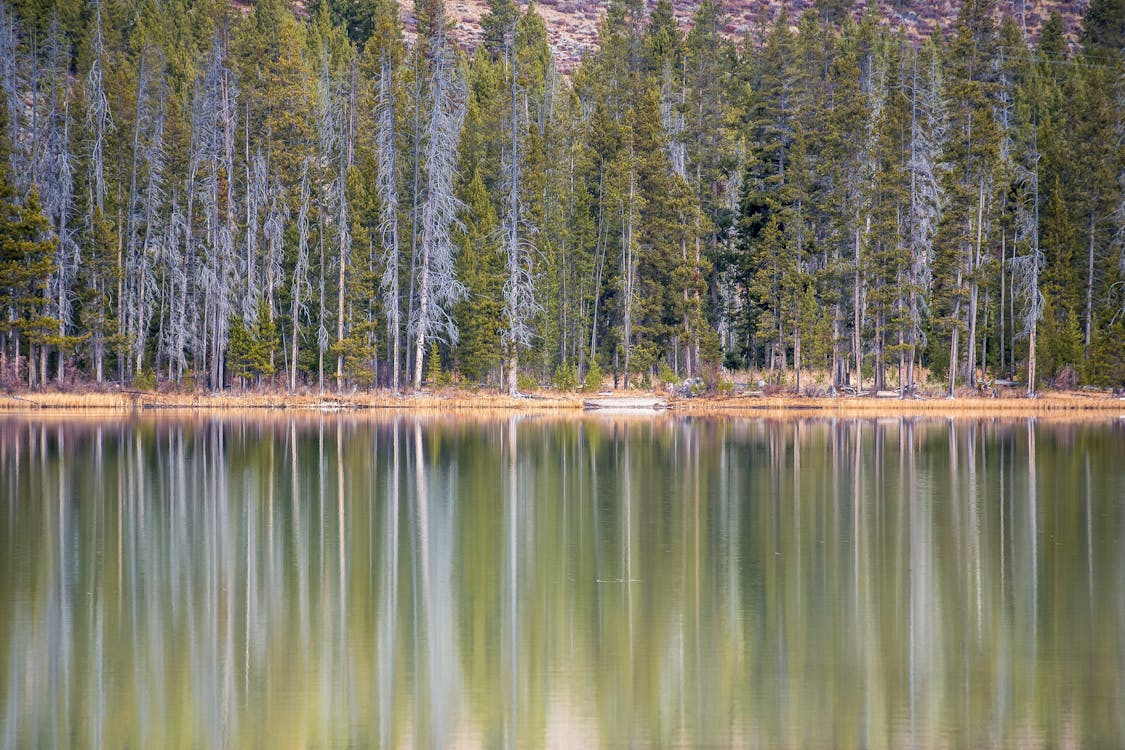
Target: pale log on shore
(634, 402)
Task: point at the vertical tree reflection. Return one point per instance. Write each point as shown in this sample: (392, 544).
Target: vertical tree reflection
(391, 580)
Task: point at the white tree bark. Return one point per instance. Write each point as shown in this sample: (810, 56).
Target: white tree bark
(300, 275)
(438, 287)
(1026, 268)
(520, 305)
(387, 188)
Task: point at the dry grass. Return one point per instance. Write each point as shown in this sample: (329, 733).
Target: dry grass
(969, 406)
(132, 400)
(463, 401)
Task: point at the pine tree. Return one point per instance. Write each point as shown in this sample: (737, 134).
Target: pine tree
(26, 255)
(973, 151)
(480, 265)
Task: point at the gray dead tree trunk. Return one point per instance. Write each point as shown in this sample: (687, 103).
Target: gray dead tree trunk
(387, 188)
(520, 306)
(300, 275)
(437, 284)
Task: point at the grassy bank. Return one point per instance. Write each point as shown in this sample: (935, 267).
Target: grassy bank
(967, 406)
(464, 400)
(128, 400)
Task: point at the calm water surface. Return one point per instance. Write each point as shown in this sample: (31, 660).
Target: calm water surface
(396, 581)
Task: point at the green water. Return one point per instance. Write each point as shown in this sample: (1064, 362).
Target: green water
(306, 581)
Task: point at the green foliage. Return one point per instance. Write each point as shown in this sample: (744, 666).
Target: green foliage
(435, 375)
(566, 377)
(1103, 33)
(250, 349)
(481, 267)
(673, 186)
(241, 357)
(1106, 364)
(526, 382)
(25, 261)
(1060, 341)
(592, 383)
(144, 380)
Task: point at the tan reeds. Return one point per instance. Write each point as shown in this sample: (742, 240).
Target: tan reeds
(129, 400)
(463, 400)
(1046, 403)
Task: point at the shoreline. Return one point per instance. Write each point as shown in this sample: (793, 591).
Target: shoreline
(1048, 403)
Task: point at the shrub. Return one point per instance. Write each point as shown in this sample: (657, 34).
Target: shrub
(593, 381)
(526, 382)
(566, 378)
(437, 377)
(144, 380)
(666, 374)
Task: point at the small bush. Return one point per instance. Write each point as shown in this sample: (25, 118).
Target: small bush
(725, 387)
(666, 374)
(526, 382)
(566, 378)
(593, 381)
(144, 380)
(437, 377)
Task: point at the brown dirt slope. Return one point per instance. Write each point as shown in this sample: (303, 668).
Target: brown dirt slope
(572, 24)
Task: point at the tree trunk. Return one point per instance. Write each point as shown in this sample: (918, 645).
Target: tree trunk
(513, 374)
(423, 303)
(293, 351)
(974, 289)
(1090, 288)
(797, 356)
(953, 345)
(984, 343)
(837, 363)
(1003, 295)
(340, 320)
(858, 321)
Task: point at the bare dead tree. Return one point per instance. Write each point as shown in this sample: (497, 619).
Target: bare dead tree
(98, 116)
(154, 236)
(344, 159)
(438, 287)
(215, 114)
(144, 223)
(257, 205)
(170, 335)
(301, 287)
(327, 116)
(386, 182)
(927, 124)
(520, 304)
(629, 207)
(1027, 267)
(54, 180)
(9, 74)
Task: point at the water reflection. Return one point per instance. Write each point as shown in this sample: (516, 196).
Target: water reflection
(425, 581)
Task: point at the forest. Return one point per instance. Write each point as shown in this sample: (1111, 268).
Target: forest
(200, 194)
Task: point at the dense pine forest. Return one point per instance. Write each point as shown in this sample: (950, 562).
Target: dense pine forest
(199, 194)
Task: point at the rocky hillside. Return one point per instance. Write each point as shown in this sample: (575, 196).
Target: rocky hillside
(573, 24)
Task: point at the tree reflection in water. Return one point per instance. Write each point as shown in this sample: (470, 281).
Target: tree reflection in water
(396, 580)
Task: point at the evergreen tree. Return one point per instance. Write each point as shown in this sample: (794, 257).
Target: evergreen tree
(480, 265)
(26, 255)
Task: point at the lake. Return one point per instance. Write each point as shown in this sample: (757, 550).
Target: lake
(397, 580)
